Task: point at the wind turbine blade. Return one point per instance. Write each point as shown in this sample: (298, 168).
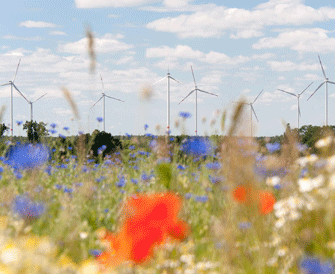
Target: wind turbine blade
(193, 77)
(102, 83)
(316, 90)
(39, 98)
(323, 71)
(175, 80)
(208, 92)
(114, 98)
(97, 102)
(254, 112)
(257, 96)
(158, 81)
(187, 96)
(5, 84)
(331, 82)
(305, 89)
(287, 92)
(20, 93)
(17, 68)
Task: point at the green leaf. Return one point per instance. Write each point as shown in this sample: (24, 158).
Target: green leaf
(164, 174)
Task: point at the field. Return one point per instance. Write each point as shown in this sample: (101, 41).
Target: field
(157, 207)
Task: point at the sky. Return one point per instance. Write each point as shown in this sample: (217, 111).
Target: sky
(237, 49)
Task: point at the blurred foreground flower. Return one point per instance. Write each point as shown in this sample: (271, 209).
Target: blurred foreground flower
(197, 146)
(249, 196)
(26, 208)
(27, 156)
(311, 265)
(148, 221)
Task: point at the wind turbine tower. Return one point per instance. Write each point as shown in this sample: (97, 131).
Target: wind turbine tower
(326, 81)
(11, 83)
(104, 103)
(31, 104)
(196, 101)
(168, 77)
(298, 96)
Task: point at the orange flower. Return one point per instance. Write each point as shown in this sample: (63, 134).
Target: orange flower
(148, 221)
(264, 199)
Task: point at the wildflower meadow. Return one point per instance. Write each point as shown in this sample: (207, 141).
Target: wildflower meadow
(155, 205)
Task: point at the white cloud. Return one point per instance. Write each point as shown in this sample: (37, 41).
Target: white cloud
(125, 60)
(290, 66)
(13, 37)
(88, 4)
(186, 52)
(302, 40)
(106, 44)
(37, 24)
(241, 22)
(57, 33)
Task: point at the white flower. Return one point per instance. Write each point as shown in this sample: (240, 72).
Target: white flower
(303, 161)
(272, 181)
(308, 184)
(187, 258)
(324, 142)
(331, 182)
(330, 163)
(10, 255)
(280, 223)
(83, 235)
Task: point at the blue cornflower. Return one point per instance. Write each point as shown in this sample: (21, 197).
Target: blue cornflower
(18, 175)
(69, 148)
(58, 186)
(127, 135)
(80, 132)
(26, 208)
(202, 199)
(272, 147)
(312, 265)
(27, 156)
(100, 119)
(171, 139)
(185, 115)
(215, 180)
(62, 136)
(153, 144)
(66, 128)
(244, 225)
(132, 147)
(145, 177)
(215, 165)
(90, 161)
(68, 190)
(52, 131)
(134, 181)
(188, 196)
(53, 125)
(19, 123)
(95, 252)
(1, 169)
(121, 182)
(146, 126)
(180, 167)
(197, 146)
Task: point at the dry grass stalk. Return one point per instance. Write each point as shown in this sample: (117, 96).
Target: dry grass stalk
(146, 92)
(72, 103)
(2, 111)
(91, 51)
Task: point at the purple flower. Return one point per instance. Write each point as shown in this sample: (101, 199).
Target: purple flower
(19, 123)
(273, 147)
(197, 146)
(185, 115)
(312, 265)
(100, 119)
(26, 208)
(146, 126)
(180, 167)
(53, 125)
(215, 165)
(27, 156)
(66, 128)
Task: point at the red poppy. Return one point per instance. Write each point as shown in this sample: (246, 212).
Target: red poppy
(148, 221)
(248, 195)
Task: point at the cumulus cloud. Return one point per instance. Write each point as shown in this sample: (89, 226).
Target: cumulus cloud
(186, 52)
(57, 33)
(88, 4)
(107, 44)
(242, 23)
(37, 24)
(302, 40)
(13, 37)
(291, 66)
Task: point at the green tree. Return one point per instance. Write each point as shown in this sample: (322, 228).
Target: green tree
(35, 131)
(3, 128)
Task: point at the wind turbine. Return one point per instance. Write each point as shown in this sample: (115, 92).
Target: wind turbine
(31, 103)
(326, 93)
(196, 100)
(252, 111)
(168, 77)
(104, 99)
(298, 96)
(11, 83)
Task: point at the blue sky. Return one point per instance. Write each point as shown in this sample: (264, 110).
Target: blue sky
(236, 50)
